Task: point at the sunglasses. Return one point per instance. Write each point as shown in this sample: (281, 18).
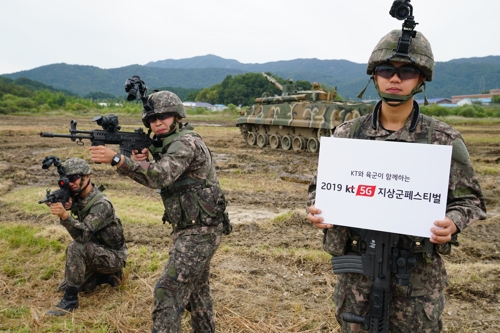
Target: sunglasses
(160, 117)
(404, 72)
(73, 178)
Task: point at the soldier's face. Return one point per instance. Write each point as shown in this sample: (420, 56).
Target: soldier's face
(395, 85)
(161, 126)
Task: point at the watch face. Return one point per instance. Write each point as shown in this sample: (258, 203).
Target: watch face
(116, 159)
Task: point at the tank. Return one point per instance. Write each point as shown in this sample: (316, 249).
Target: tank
(297, 119)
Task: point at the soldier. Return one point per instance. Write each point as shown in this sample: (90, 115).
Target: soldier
(183, 170)
(98, 252)
(397, 117)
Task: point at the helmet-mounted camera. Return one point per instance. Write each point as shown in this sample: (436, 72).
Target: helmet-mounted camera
(135, 85)
(49, 160)
(401, 9)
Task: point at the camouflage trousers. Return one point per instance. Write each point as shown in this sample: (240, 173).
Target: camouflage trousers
(184, 283)
(85, 258)
(406, 315)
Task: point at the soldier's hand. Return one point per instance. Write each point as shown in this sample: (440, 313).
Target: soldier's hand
(140, 156)
(443, 231)
(317, 221)
(68, 203)
(58, 209)
(101, 154)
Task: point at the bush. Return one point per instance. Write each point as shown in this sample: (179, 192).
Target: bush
(197, 111)
(25, 103)
(467, 111)
(77, 107)
(436, 110)
(44, 108)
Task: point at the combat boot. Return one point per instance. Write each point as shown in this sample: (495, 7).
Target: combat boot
(67, 304)
(112, 279)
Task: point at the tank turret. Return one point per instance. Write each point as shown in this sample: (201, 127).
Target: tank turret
(297, 119)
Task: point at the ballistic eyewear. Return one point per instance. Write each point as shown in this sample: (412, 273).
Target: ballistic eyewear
(404, 72)
(160, 117)
(74, 178)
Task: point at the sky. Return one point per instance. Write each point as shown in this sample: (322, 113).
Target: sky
(118, 33)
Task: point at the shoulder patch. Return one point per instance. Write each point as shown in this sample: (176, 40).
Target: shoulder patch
(96, 209)
(175, 146)
(460, 153)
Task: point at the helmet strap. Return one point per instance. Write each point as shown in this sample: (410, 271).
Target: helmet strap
(426, 102)
(396, 100)
(360, 95)
(80, 190)
(173, 129)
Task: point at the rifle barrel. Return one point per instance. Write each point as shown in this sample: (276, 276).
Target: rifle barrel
(71, 136)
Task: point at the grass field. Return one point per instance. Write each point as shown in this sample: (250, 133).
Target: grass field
(269, 275)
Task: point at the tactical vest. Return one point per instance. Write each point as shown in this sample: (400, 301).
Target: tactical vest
(420, 245)
(106, 236)
(190, 202)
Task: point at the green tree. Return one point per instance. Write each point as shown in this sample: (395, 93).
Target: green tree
(495, 99)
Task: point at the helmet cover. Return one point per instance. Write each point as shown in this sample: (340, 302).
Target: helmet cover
(420, 53)
(163, 102)
(76, 166)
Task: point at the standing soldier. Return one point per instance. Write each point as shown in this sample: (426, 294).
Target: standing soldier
(98, 252)
(398, 77)
(195, 206)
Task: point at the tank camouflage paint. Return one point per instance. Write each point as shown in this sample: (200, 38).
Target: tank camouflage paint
(297, 119)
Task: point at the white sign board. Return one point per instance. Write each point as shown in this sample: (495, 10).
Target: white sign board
(392, 186)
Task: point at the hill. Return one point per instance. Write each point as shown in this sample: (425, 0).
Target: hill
(455, 77)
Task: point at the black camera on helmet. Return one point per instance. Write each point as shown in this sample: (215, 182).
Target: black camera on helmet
(401, 9)
(133, 86)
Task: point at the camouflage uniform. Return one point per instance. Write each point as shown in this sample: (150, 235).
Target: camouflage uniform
(99, 244)
(98, 253)
(195, 207)
(465, 204)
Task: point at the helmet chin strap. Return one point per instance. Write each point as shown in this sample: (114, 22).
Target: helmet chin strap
(80, 190)
(173, 129)
(396, 100)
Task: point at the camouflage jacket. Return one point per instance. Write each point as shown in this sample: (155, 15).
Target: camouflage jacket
(98, 224)
(465, 203)
(185, 174)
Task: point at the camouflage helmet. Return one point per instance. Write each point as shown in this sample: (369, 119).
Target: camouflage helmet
(420, 52)
(163, 102)
(76, 166)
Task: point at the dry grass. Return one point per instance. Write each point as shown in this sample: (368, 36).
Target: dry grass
(269, 275)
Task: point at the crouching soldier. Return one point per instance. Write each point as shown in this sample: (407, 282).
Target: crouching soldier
(98, 252)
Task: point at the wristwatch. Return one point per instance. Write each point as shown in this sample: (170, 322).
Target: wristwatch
(116, 159)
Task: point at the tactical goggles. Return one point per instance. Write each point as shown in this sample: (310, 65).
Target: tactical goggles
(74, 178)
(160, 117)
(404, 72)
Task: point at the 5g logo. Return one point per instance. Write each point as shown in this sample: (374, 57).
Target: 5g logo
(366, 190)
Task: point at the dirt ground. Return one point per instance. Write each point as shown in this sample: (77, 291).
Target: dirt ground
(256, 283)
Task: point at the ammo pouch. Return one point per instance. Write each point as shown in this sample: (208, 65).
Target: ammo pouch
(111, 236)
(190, 203)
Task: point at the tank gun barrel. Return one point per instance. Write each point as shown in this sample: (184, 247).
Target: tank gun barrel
(273, 81)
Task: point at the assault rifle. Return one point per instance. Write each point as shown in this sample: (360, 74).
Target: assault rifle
(110, 134)
(63, 193)
(382, 257)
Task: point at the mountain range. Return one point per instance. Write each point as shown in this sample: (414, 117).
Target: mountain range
(454, 77)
